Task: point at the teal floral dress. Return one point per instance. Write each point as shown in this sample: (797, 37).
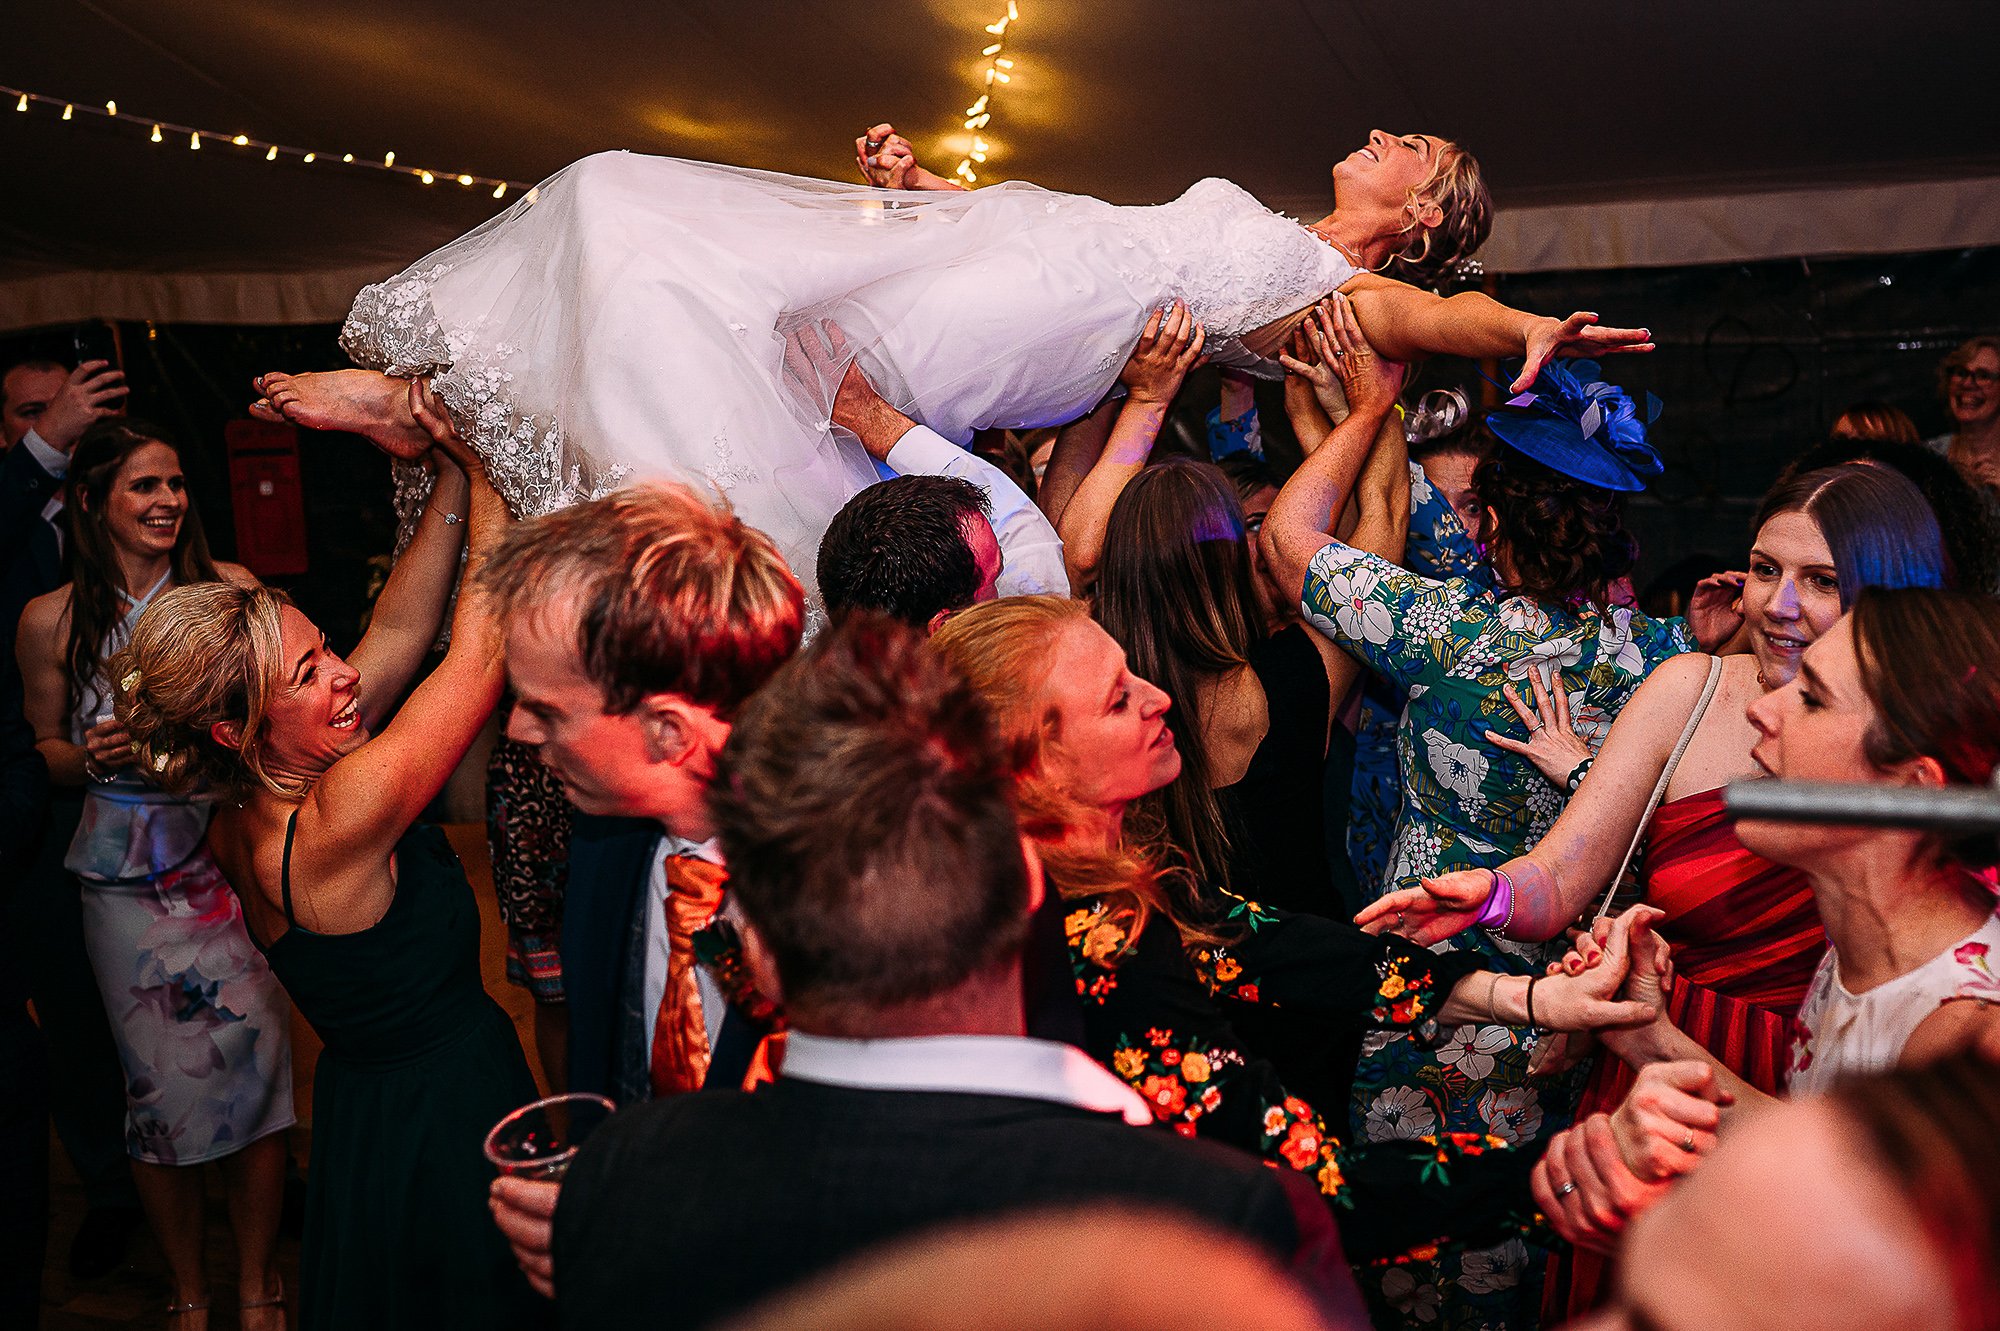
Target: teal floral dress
(1438, 548)
(1448, 646)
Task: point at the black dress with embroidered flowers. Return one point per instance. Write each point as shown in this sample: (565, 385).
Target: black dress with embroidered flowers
(1159, 1015)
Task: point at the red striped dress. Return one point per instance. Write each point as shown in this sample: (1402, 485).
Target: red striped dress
(1746, 941)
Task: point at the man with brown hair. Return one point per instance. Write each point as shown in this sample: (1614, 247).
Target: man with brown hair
(864, 801)
(636, 626)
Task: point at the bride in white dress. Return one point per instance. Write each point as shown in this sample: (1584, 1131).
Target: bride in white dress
(637, 317)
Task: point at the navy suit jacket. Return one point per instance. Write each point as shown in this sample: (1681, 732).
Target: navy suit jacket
(25, 490)
(604, 907)
(609, 863)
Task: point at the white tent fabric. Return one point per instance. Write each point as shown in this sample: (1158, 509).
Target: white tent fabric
(1723, 228)
(1613, 135)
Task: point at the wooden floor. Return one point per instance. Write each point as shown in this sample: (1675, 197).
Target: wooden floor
(136, 1294)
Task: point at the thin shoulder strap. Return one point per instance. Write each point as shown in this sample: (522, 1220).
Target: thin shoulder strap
(285, 869)
(1660, 788)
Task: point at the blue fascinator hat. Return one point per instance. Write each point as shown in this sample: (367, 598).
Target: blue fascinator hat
(1575, 423)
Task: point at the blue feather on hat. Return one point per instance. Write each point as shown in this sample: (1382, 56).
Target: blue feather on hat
(1577, 424)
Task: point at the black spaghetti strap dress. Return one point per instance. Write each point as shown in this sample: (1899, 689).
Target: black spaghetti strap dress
(420, 1062)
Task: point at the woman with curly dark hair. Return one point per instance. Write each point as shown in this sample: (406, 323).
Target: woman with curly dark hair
(1551, 511)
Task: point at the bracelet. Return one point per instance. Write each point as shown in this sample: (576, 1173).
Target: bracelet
(452, 520)
(1492, 993)
(1576, 775)
(95, 773)
(1499, 907)
(1531, 1001)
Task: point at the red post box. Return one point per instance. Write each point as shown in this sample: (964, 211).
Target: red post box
(265, 494)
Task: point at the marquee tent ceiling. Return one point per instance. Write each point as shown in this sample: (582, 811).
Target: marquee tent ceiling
(1613, 133)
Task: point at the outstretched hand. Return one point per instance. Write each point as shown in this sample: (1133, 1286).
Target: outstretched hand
(1368, 383)
(1669, 1119)
(1552, 746)
(1578, 335)
(1583, 1001)
(1168, 349)
(813, 354)
(1442, 907)
(435, 421)
(1306, 367)
(1584, 1187)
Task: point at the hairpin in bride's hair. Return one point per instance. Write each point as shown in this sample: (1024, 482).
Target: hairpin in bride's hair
(1437, 414)
(1467, 269)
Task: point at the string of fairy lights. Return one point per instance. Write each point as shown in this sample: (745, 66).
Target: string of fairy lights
(196, 139)
(997, 71)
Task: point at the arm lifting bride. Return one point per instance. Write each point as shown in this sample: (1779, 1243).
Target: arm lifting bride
(629, 317)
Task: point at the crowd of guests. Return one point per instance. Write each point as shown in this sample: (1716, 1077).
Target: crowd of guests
(1311, 891)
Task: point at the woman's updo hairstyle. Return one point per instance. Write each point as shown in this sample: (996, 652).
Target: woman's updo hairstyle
(1458, 188)
(201, 654)
(1930, 664)
(1565, 538)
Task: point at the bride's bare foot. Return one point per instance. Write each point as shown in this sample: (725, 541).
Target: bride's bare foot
(360, 401)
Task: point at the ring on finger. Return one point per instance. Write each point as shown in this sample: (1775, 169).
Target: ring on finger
(1687, 1143)
(1566, 1189)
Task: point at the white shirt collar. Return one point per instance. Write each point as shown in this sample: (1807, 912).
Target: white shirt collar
(972, 1064)
(669, 846)
(52, 459)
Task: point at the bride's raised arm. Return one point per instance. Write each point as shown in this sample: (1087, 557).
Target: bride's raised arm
(888, 160)
(1406, 323)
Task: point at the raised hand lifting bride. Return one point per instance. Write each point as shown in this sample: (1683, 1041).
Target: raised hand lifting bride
(630, 317)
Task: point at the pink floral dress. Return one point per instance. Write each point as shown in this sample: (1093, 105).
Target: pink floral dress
(203, 1027)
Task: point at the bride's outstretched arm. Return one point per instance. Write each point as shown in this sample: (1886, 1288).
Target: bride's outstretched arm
(1404, 323)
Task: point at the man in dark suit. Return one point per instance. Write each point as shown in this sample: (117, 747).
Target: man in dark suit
(864, 804)
(44, 409)
(636, 625)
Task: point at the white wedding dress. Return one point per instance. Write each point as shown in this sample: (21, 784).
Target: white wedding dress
(631, 319)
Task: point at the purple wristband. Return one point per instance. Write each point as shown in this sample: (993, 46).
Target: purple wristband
(1499, 905)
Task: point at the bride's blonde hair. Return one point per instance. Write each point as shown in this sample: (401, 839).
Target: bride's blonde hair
(1458, 187)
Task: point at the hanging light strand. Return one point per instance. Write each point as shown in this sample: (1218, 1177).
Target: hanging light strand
(997, 72)
(156, 131)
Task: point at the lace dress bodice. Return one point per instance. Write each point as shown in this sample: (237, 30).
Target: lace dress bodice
(1237, 264)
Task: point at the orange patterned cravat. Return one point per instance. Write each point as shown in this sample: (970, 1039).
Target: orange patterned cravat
(695, 889)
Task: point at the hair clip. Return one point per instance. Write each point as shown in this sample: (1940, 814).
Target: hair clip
(130, 682)
(159, 762)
